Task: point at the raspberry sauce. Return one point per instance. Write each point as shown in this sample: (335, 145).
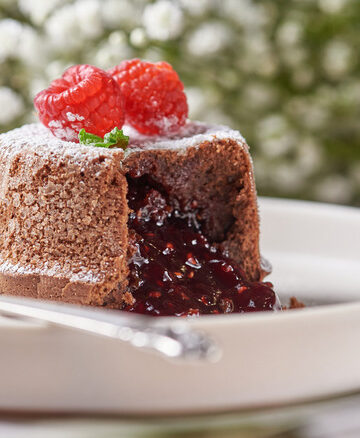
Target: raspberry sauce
(175, 270)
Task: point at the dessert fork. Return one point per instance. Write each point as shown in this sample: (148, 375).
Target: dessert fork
(174, 339)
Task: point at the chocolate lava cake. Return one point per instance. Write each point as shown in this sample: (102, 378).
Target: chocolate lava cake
(164, 224)
(75, 222)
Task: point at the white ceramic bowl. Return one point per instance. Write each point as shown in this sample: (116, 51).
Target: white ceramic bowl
(268, 359)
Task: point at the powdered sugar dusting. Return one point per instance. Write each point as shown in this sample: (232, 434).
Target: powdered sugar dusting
(166, 125)
(40, 139)
(6, 267)
(193, 133)
(61, 131)
(72, 117)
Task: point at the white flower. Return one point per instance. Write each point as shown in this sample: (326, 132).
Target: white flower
(332, 6)
(138, 37)
(163, 20)
(258, 95)
(63, 29)
(197, 7)
(256, 44)
(154, 54)
(56, 68)
(289, 33)
(217, 117)
(208, 39)
(248, 14)
(70, 26)
(113, 50)
(276, 137)
(258, 55)
(309, 155)
(197, 101)
(37, 10)
(11, 105)
(120, 13)
(88, 13)
(337, 59)
(10, 33)
(334, 188)
(32, 48)
(310, 113)
(288, 178)
(277, 147)
(272, 126)
(35, 86)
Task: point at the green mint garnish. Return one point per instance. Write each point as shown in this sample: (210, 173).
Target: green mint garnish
(113, 139)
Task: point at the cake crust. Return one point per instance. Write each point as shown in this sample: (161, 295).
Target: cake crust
(63, 208)
(63, 216)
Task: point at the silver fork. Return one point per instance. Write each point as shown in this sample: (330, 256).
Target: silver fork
(174, 339)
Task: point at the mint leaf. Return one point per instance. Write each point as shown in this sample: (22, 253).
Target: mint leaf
(117, 138)
(112, 139)
(88, 139)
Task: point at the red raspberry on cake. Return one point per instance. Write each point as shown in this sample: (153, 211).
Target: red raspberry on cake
(84, 97)
(155, 102)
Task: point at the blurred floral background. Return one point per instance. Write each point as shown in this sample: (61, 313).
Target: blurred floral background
(285, 73)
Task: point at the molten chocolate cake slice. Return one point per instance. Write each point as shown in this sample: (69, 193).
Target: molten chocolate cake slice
(69, 231)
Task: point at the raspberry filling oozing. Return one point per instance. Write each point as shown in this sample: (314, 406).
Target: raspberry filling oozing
(175, 270)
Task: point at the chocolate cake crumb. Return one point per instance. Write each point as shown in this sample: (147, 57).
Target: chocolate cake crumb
(294, 303)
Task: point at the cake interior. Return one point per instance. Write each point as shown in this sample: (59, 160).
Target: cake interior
(175, 269)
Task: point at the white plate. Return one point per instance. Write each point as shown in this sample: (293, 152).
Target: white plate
(268, 359)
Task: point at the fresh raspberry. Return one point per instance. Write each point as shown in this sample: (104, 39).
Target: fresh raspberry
(155, 102)
(84, 97)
